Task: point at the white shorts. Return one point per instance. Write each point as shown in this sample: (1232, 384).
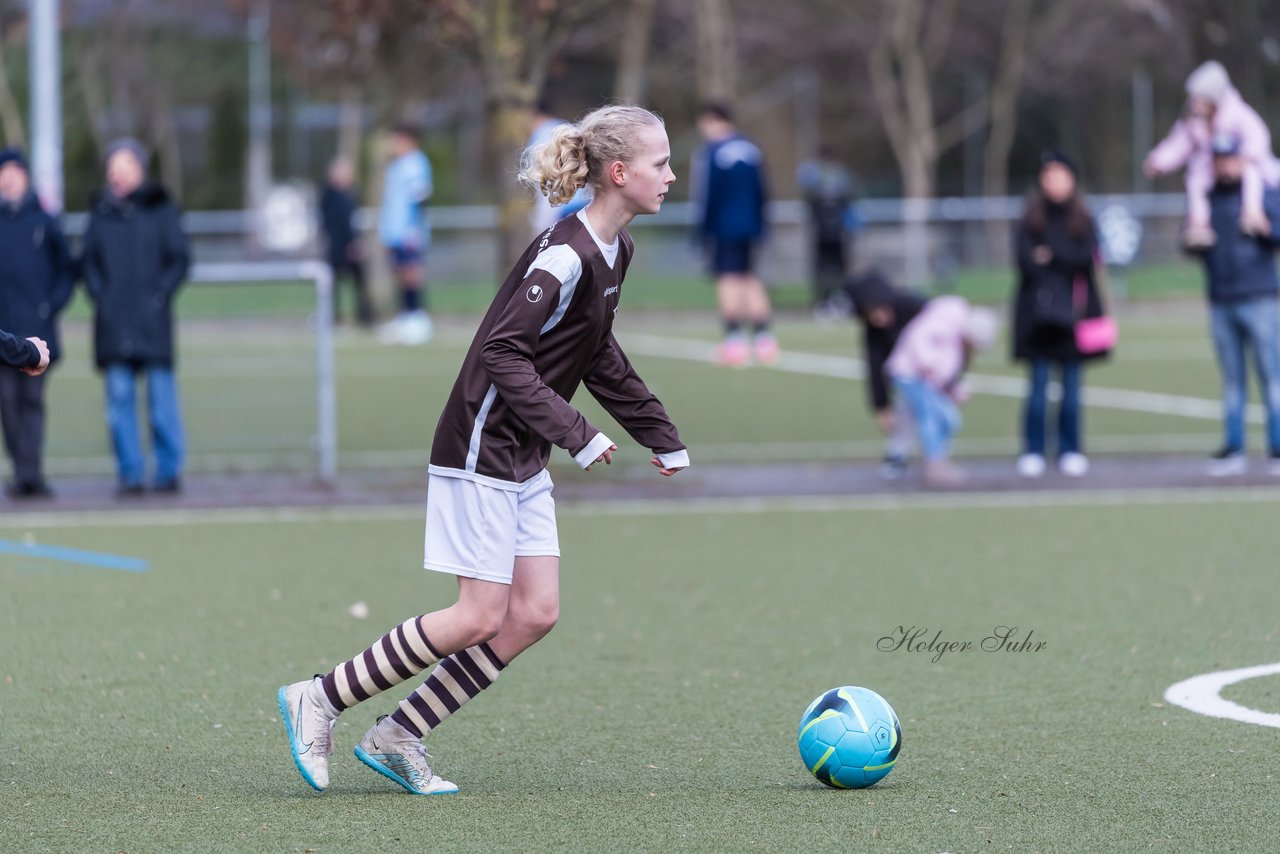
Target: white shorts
(478, 531)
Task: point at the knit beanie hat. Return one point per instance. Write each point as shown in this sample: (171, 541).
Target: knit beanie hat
(13, 154)
(1055, 157)
(1209, 82)
(131, 145)
(980, 327)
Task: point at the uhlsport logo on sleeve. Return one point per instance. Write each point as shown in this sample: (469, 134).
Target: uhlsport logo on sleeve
(534, 294)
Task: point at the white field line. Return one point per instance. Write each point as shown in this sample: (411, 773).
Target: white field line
(657, 507)
(843, 367)
(247, 453)
(1202, 695)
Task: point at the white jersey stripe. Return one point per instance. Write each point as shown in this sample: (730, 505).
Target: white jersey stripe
(560, 261)
(473, 447)
(566, 297)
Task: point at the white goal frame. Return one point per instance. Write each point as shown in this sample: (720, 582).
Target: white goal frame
(325, 440)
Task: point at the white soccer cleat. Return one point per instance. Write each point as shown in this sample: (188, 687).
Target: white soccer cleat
(396, 754)
(1073, 464)
(310, 730)
(1031, 465)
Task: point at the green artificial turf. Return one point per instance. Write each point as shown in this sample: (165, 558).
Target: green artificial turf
(139, 708)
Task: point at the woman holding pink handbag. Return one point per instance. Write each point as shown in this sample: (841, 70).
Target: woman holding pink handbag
(1059, 317)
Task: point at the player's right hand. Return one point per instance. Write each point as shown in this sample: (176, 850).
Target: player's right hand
(606, 457)
(44, 358)
(662, 470)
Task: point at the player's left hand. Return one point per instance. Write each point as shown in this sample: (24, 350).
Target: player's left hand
(606, 457)
(664, 471)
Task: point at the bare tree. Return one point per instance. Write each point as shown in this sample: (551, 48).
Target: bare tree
(126, 69)
(10, 114)
(903, 62)
(512, 44)
(633, 53)
(717, 53)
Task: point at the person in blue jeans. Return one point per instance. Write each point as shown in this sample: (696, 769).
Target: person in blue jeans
(1243, 289)
(927, 365)
(1054, 244)
(134, 259)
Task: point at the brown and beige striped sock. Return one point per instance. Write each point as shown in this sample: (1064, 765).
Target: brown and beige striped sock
(457, 679)
(400, 654)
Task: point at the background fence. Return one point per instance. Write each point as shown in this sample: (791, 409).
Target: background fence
(961, 234)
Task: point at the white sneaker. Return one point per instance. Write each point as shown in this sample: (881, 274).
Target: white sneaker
(1072, 464)
(1031, 465)
(392, 332)
(417, 329)
(396, 754)
(310, 730)
(1228, 464)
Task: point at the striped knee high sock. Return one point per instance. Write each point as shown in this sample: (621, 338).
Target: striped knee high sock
(400, 654)
(458, 678)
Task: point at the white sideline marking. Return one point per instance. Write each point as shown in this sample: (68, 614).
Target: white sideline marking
(657, 507)
(1201, 694)
(843, 367)
(290, 451)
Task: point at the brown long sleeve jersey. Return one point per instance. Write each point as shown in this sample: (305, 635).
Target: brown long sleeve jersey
(549, 329)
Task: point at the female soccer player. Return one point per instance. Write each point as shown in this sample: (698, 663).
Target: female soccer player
(490, 515)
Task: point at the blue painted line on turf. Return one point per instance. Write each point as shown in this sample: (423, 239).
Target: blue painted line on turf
(67, 555)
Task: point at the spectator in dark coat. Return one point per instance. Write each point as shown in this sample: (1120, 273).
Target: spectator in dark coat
(884, 312)
(1243, 293)
(337, 214)
(828, 188)
(135, 259)
(1055, 244)
(35, 285)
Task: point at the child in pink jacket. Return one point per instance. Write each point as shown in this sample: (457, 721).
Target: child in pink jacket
(927, 366)
(1215, 108)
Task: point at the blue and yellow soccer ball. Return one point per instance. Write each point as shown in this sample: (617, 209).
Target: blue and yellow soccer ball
(849, 738)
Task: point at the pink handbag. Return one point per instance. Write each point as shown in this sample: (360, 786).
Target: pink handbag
(1096, 335)
(1093, 334)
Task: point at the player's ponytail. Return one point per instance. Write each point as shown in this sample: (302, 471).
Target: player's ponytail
(558, 167)
(576, 154)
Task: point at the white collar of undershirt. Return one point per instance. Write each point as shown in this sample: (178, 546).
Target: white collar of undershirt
(608, 250)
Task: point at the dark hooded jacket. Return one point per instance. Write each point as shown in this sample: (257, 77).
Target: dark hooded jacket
(867, 292)
(36, 278)
(135, 258)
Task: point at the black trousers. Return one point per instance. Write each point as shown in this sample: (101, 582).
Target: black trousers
(830, 264)
(364, 308)
(22, 421)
